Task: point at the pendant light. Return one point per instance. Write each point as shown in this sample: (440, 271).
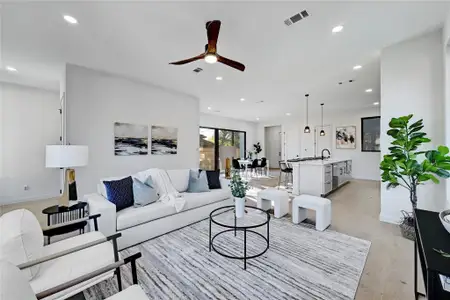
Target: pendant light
(322, 132)
(307, 129)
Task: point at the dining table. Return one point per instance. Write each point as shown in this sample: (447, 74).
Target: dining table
(247, 162)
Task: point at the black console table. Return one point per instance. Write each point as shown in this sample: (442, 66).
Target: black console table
(430, 234)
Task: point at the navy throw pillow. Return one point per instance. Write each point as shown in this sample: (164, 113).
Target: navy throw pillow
(213, 179)
(120, 192)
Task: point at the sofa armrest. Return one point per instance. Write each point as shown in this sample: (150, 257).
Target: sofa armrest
(99, 205)
(224, 183)
(56, 255)
(130, 259)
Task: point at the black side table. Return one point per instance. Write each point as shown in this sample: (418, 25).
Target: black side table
(430, 235)
(62, 214)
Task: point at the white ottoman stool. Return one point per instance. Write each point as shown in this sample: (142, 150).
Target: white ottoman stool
(280, 200)
(322, 206)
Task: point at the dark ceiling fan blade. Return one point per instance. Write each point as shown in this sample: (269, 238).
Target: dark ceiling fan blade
(186, 61)
(231, 63)
(212, 30)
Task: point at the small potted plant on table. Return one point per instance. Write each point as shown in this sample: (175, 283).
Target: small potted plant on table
(238, 189)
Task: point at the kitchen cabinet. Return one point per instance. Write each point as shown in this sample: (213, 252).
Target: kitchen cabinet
(320, 177)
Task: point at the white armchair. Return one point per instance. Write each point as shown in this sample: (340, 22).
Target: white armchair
(45, 267)
(15, 286)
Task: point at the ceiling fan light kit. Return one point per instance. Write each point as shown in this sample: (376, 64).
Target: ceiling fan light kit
(210, 55)
(307, 129)
(210, 58)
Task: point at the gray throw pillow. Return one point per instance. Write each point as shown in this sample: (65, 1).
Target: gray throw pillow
(198, 182)
(144, 193)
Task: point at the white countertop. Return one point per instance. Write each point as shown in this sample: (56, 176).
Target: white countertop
(320, 162)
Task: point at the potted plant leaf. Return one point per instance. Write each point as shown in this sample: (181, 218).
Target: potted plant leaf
(238, 190)
(257, 149)
(408, 166)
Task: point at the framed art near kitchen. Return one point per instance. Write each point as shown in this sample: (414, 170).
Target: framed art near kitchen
(370, 134)
(346, 137)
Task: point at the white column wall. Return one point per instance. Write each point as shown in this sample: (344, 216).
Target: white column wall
(412, 82)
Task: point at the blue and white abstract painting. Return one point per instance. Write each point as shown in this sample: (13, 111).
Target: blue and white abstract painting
(164, 140)
(130, 139)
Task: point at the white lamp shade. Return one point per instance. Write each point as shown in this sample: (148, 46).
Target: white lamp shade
(66, 156)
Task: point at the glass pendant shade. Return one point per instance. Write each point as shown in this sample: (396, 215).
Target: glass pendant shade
(307, 129)
(322, 132)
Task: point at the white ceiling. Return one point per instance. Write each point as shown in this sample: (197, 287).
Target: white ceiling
(283, 63)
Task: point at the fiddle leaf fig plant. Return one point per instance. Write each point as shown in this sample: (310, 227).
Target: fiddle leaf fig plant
(406, 165)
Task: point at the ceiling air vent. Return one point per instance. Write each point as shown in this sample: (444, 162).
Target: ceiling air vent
(295, 18)
(198, 70)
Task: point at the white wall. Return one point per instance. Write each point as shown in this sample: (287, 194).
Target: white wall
(412, 81)
(210, 120)
(365, 164)
(29, 120)
(446, 56)
(95, 100)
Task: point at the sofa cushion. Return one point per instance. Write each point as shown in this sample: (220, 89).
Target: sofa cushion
(71, 266)
(21, 239)
(198, 182)
(179, 179)
(194, 200)
(120, 192)
(133, 216)
(144, 193)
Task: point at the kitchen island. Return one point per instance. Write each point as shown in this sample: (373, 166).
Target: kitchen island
(319, 177)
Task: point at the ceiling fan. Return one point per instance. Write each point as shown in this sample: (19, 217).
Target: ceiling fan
(210, 55)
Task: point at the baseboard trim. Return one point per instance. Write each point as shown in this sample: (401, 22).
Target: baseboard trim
(389, 219)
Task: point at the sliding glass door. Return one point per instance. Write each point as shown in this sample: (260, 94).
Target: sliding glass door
(207, 149)
(218, 144)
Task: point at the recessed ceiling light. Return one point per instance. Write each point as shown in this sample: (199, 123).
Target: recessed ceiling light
(242, 99)
(11, 69)
(70, 19)
(337, 29)
(357, 67)
(376, 103)
(257, 119)
(288, 114)
(368, 90)
(219, 78)
(209, 108)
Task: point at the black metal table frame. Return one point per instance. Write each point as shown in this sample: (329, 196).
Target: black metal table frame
(235, 228)
(430, 277)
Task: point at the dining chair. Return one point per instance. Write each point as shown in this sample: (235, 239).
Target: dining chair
(262, 165)
(236, 165)
(254, 166)
(285, 170)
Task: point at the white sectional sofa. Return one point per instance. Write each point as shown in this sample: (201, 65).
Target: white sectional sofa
(140, 224)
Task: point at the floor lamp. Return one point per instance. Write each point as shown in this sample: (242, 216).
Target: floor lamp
(66, 157)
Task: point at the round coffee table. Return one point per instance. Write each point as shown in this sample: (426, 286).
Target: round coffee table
(233, 224)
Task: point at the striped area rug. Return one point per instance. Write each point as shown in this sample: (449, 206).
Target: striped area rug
(301, 263)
